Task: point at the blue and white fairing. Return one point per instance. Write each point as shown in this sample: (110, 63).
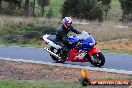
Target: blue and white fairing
(87, 40)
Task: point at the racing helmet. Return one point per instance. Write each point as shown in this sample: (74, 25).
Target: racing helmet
(67, 22)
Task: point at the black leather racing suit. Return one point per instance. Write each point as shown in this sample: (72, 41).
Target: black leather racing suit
(62, 32)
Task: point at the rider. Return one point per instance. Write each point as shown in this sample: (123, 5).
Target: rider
(64, 29)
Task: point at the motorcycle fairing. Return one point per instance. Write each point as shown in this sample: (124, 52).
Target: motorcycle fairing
(87, 43)
(73, 56)
(52, 38)
(73, 39)
(51, 43)
(93, 51)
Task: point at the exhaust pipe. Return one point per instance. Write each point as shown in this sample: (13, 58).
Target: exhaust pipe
(52, 53)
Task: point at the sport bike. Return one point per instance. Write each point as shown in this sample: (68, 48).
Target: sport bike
(81, 49)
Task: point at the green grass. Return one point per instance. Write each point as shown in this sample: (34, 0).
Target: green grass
(2, 62)
(115, 11)
(117, 51)
(129, 77)
(39, 84)
(56, 5)
(21, 45)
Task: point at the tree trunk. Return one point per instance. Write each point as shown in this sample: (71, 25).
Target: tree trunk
(106, 9)
(11, 6)
(0, 3)
(42, 9)
(26, 8)
(34, 7)
(0, 6)
(20, 4)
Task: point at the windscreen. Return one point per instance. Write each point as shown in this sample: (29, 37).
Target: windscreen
(83, 35)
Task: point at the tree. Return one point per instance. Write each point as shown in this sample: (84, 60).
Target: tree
(0, 4)
(85, 9)
(12, 5)
(26, 8)
(126, 6)
(34, 7)
(106, 6)
(18, 3)
(42, 4)
(49, 13)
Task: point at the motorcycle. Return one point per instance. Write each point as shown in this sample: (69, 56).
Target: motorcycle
(82, 49)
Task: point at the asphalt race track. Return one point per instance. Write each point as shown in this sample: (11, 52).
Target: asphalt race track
(113, 60)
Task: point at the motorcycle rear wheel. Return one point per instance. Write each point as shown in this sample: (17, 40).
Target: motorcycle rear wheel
(97, 59)
(57, 60)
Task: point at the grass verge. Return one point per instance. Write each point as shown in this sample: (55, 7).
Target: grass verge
(38, 84)
(117, 51)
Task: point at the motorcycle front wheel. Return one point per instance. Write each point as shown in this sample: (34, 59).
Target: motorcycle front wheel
(97, 59)
(57, 60)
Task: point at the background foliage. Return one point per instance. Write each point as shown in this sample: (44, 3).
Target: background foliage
(85, 9)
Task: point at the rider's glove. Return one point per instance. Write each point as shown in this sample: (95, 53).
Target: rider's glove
(70, 42)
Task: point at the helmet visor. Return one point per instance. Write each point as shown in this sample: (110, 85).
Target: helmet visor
(68, 24)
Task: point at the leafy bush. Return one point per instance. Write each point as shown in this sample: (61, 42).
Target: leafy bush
(25, 33)
(126, 6)
(85, 9)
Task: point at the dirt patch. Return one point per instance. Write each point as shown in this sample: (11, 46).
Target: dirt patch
(119, 44)
(27, 71)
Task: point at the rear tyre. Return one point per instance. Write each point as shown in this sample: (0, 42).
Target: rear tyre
(54, 58)
(97, 59)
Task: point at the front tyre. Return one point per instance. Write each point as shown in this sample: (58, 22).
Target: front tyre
(55, 58)
(97, 59)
